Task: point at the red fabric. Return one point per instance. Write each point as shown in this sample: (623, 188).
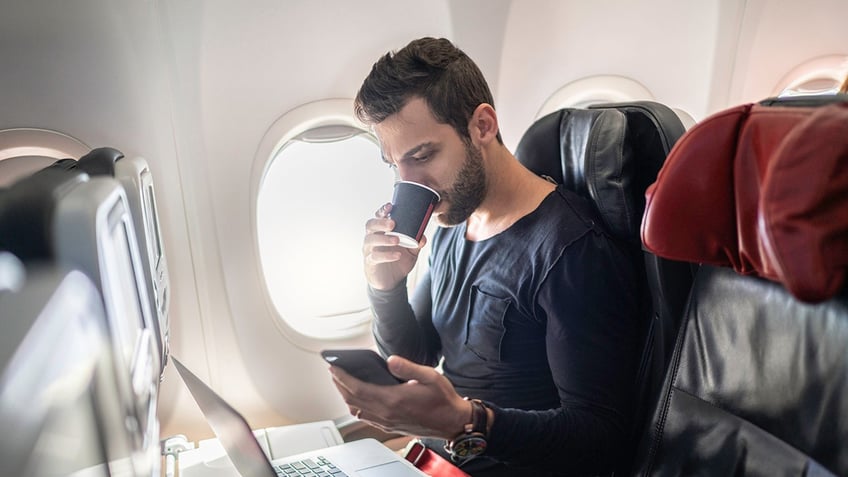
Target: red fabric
(693, 194)
(705, 205)
(430, 462)
(804, 206)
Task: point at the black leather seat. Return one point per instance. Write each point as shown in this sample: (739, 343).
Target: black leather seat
(610, 153)
(758, 384)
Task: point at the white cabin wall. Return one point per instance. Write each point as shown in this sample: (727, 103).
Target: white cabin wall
(777, 36)
(198, 295)
(665, 45)
(478, 29)
(700, 57)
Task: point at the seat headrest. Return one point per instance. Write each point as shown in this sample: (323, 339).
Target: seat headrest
(100, 161)
(27, 208)
(803, 217)
(784, 168)
(609, 153)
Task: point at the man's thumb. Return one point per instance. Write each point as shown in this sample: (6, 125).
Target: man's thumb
(408, 370)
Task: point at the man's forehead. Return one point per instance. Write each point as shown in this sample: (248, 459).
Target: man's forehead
(409, 130)
(414, 114)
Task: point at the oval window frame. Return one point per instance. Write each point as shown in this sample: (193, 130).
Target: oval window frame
(46, 145)
(828, 67)
(289, 126)
(595, 89)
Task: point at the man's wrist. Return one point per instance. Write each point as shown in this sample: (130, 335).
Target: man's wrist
(387, 291)
(462, 418)
(471, 441)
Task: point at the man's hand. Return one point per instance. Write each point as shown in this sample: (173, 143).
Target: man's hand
(386, 263)
(426, 405)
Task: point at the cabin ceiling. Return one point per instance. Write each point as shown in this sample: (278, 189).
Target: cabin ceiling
(133, 63)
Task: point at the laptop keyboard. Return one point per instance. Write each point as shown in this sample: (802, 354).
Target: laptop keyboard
(318, 467)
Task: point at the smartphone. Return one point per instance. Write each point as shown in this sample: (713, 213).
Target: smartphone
(363, 364)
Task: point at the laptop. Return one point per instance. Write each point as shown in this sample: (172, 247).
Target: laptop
(361, 458)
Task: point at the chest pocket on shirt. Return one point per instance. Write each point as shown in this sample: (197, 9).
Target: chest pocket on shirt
(484, 324)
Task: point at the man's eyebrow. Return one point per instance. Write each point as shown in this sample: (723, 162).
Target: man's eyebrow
(408, 154)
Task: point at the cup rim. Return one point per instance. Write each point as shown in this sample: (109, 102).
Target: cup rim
(406, 241)
(438, 196)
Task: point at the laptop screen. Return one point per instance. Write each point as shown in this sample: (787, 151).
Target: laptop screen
(232, 429)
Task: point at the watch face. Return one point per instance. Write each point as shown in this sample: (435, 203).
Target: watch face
(468, 446)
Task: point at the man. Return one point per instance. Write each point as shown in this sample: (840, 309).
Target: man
(529, 305)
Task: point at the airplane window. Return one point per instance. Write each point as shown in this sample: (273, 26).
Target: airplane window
(821, 75)
(595, 90)
(601, 89)
(812, 86)
(17, 142)
(315, 197)
(26, 150)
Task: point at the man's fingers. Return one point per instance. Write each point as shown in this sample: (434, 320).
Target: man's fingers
(377, 257)
(348, 386)
(410, 371)
(384, 210)
(378, 225)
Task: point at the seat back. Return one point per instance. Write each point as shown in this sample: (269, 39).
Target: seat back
(758, 383)
(59, 395)
(135, 176)
(609, 154)
(26, 207)
(94, 233)
(62, 215)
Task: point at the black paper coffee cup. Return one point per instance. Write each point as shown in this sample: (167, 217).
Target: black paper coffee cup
(412, 205)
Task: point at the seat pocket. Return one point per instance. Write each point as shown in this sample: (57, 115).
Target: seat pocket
(484, 324)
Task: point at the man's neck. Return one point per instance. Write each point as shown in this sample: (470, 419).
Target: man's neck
(513, 192)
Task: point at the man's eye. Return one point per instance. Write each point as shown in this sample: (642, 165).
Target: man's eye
(421, 158)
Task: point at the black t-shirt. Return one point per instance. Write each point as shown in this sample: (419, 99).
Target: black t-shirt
(540, 321)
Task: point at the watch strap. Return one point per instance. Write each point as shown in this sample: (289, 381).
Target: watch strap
(479, 417)
(472, 441)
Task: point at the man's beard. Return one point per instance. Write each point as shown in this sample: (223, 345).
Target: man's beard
(467, 191)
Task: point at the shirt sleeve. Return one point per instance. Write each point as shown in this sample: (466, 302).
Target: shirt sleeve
(590, 309)
(405, 328)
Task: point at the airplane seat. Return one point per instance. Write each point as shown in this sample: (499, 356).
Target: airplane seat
(58, 391)
(25, 209)
(83, 223)
(609, 154)
(67, 164)
(134, 175)
(758, 384)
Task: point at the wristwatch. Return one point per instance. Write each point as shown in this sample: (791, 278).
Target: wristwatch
(472, 441)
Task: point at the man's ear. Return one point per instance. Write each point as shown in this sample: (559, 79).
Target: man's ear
(483, 126)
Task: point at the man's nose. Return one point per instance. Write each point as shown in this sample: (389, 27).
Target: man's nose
(411, 173)
(406, 174)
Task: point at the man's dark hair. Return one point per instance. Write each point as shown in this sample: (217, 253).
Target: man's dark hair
(432, 69)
